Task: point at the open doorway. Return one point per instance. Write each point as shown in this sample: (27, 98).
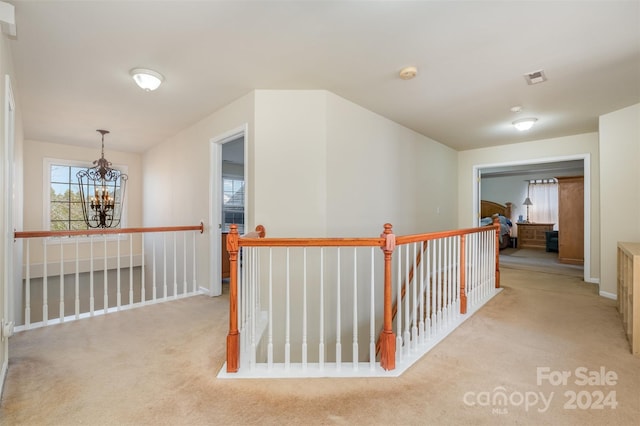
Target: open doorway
(228, 199)
(233, 195)
(511, 183)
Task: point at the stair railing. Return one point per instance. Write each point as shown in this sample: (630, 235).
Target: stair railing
(337, 286)
(103, 270)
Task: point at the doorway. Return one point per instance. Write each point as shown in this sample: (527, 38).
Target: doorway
(508, 182)
(228, 199)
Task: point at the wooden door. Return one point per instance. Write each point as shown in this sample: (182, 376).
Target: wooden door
(571, 220)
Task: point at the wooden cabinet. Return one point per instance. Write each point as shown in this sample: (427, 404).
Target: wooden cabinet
(532, 235)
(571, 220)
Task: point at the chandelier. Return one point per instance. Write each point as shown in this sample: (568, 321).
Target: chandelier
(102, 192)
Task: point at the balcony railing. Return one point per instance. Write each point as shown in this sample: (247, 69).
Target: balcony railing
(68, 275)
(352, 306)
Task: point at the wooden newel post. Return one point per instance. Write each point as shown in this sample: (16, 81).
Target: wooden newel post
(463, 276)
(387, 338)
(233, 338)
(496, 223)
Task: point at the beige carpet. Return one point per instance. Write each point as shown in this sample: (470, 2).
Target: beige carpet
(157, 366)
(537, 260)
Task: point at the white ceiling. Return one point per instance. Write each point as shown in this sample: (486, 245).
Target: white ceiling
(72, 61)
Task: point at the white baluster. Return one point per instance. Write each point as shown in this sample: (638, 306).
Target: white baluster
(77, 283)
(423, 259)
(287, 339)
(27, 304)
(372, 315)
(184, 263)
(338, 324)
(399, 353)
(456, 265)
(270, 344)
(164, 265)
(118, 284)
(406, 336)
(304, 308)
(153, 244)
(195, 285)
(321, 344)
(175, 267)
(439, 295)
(446, 283)
(414, 320)
(251, 284)
(142, 277)
(355, 308)
(434, 287)
(92, 298)
(61, 281)
(130, 269)
(45, 289)
(104, 274)
(427, 289)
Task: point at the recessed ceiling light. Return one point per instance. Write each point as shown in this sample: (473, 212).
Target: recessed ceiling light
(524, 123)
(516, 108)
(408, 73)
(146, 79)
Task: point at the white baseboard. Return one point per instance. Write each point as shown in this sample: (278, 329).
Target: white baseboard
(608, 295)
(592, 280)
(3, 375)
(205, 291)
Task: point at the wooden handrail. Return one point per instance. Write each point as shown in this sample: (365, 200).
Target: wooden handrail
(41, 234)
(416, 238)
(352, 242)
(310, 242)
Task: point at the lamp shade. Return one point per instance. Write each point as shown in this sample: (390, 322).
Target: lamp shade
(147, 80)
(527, 202)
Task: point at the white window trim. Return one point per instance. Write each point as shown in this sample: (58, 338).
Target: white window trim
(47, 162)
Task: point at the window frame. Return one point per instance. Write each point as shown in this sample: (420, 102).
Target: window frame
(46, 196)
(237, 178)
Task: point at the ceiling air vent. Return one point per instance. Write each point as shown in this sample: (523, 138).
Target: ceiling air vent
(535, 77)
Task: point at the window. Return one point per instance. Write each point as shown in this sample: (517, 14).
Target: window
(544, 196)
(232, 204)
(63, 208)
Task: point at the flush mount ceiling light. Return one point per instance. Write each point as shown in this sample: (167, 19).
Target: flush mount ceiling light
(408, 73)
(148, 80)
(524, 123)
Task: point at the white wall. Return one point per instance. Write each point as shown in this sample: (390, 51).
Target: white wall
(9, 275)
(177, 180)
(379, 171)
(330, 168)
(290, 164)
(540, 151)
(620, 188)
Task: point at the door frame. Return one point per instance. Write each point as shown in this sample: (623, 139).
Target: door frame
(586, 163)
(215, 197)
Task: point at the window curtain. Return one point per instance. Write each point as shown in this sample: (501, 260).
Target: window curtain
(544, 196)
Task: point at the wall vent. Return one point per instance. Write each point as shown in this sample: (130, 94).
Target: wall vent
(535, 77)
